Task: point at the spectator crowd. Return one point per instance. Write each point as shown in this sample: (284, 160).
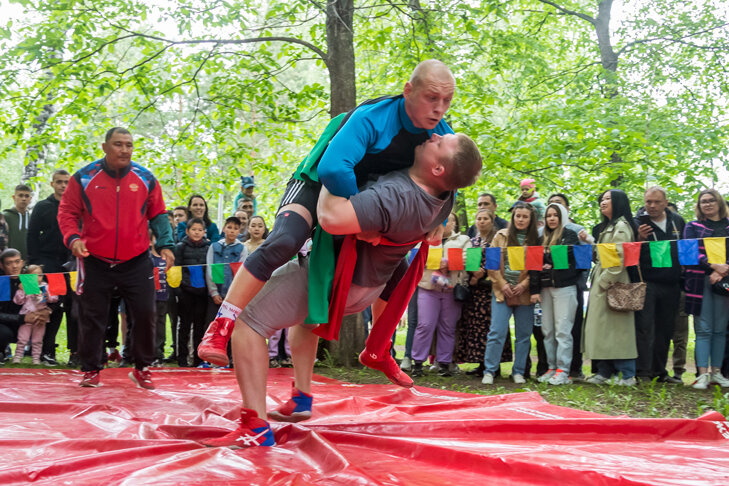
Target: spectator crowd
(455, 317)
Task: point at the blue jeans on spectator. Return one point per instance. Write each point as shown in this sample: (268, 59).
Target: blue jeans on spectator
(610, 367)
(523, 323)
(710, 328)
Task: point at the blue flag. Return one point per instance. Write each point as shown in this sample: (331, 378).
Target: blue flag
(583, 256)
(4, 289)
(493, 258)
(196, 276)
(688, 252)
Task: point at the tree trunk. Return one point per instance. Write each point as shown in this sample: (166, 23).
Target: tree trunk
(340, 55)
(35, 155)
(345, 352)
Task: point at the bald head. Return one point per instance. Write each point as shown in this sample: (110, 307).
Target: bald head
(431, 69)
(428, 93)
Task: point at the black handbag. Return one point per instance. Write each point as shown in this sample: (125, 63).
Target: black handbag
(461, 293)
(721, 287)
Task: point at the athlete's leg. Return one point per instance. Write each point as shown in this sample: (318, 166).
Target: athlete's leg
(303, 344)
(250, 355)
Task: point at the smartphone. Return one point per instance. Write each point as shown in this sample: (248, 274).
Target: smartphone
(644, 219)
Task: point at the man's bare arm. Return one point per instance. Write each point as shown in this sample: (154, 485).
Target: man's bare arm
(336, 214)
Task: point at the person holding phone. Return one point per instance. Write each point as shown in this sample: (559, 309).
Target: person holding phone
(655, 323)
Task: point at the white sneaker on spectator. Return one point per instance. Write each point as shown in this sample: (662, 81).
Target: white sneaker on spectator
(719, 379)
(406, 364)
(518, 379)
(597, 379)
(488, 379)
(560, 378)
(453, 368)
(702, 382)
(434, 367)
(629, 382)
(546, 376)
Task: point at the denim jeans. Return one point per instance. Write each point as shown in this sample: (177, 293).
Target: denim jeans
(523, 324)
(710, 328)
(610, 367)
(558, 314)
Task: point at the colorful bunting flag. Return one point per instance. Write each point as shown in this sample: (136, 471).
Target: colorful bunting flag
(583, 256)
(174, 276)
(435, 255)
(688, 252)
(493, 258)
(608, 254)
(73, 279)
(515, 254)
(217, 273)
(29, 281)
(631, 253)
(197, 280)
(715, 250)
(455, 259)
(661, 254)
(4, 288)
(534, 257)
(473, 259)
(560, 258)
(157, 284)
(235, 266)
(56, 283)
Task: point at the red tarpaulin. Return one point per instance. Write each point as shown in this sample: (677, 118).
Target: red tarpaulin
(54, 432)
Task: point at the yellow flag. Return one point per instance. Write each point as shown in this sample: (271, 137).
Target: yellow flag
(74, 277)
(715, 250)
(515, 255)
(174, 275)
(608, 254)
(435, 255)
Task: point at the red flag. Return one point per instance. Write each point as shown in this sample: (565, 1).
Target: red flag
(56, 283)
(455, 259)
(235, 266)
(156, 279)
(631, 253)
(534, 257)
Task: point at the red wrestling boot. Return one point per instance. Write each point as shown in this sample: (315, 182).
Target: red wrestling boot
(214, 345)
(252, 432)
(298, 407)
(388, 366)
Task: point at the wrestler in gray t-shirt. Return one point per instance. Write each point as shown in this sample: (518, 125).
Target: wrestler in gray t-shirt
(394, 206)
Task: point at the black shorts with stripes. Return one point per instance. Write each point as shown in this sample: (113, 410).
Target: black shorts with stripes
(305, 193)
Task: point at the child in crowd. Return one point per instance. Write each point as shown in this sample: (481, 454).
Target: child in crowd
(529, 194)
(31, 303)
(226, 250)
(192, 250)
(161, 298)
(257, 232)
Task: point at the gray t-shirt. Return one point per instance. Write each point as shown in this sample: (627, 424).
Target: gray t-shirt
(403, 212)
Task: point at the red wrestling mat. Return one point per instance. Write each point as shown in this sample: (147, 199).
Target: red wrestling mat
(54, 432)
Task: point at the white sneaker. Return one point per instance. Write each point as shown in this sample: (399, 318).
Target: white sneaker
(629, 382)
(702, 382)
(453, 368)
(560, 378)
(547, 376)
(718, 378)
(518, 379)
(406, 364)
(597, 379)
(434, 367)
(488, 379)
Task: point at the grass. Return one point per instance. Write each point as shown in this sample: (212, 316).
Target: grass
(656, 400)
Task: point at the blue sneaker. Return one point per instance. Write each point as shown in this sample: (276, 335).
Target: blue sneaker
(252, 432)
(298, 407)
(204, 365)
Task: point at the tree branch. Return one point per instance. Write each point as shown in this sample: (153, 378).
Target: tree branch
(680, 40)
(570, 12)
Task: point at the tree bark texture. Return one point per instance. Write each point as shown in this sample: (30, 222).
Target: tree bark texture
(340, 55)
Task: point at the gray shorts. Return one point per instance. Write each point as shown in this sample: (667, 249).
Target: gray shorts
(284, 301)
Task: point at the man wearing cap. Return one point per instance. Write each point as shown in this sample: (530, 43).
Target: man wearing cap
(246, 192)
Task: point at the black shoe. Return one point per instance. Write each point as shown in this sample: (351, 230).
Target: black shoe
(417, 370)
(48, 360)
(443, 369)
(478, 372)
(74, 361)
(170, 359)
(286, 363)
(274, 363)
(670, 379)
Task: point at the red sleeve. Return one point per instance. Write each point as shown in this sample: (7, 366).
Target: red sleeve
(155, 202)
(70, 212)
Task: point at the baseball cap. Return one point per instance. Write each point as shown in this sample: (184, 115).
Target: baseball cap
(247, 182)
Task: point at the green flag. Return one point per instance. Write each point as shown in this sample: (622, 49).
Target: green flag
(661, 254)
(30, 283)
(218, 272)
(560, 260)
(473, 259)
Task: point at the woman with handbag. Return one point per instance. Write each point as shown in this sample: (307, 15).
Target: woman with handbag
(558, 297)
(514, 293)
(609, 335)
(709, 308)
(476, 316)
(438, 310)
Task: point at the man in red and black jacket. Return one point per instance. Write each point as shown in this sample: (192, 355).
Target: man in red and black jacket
(114, 201)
